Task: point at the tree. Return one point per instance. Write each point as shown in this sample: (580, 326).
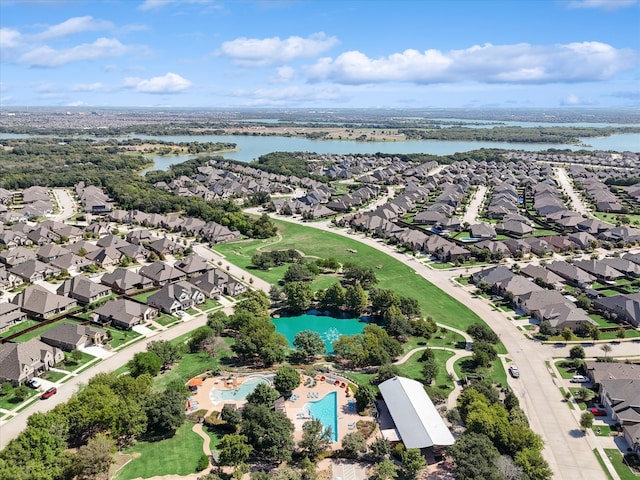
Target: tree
(606, 348)
(217, 322)
(233, 449)
(379, 449)
(474, 456)
(534, 466)
(577, 352)
(583, 302)
(270, 433)
(309, 344)
(203, 463)
(387, 371)
(364, 396)
(508, 469)
(286, 379)
(145, 362)
(21, 392)
(333, 298)
(567, 333)
(165, 413)
(412, 461)
(93, 460)
(385, 469)
(430, 371)
(482, 333)
(620, 333)
(396, 323)
(356, 274)
(76, 355)
(166, 351)
(231, 415)
(263, 394)
(354, 444)
(586, 421)
(583, 394)
(299, 296)
(5, 388)
(355, 299)
(315, 438)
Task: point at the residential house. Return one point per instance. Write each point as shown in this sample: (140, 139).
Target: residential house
(193, 265)
(215, 282)
(20, 362)
(34, 270)
(600, 270)
(71, 263)
(161, 273)
(83, 290)
(123, 313)
(10, 314)
(176, 296)
(626, 307)
(105, 257)
(572, 274)
(73, 336)
(543, 276)
(17, 255)
(38, 302)
(164, 246)
(125, 281)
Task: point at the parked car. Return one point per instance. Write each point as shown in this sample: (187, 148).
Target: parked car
(33, 383)
(580, 379)
(513, 370)
(180, 313)
(48, 393)
(598, 412)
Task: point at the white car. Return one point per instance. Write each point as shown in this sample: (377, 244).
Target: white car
(513, 370)
(180, 313)
(33, 383)
(580, 379)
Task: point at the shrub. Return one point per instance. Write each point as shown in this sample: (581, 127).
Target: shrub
(203, 462)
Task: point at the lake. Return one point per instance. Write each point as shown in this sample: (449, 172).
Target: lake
(329, 328)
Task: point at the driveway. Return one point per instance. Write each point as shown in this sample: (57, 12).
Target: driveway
(97, 351)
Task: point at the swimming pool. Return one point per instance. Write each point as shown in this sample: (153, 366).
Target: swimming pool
(217, 395)
(326, 410)
(329, 328)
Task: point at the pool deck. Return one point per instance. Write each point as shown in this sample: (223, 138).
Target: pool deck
(315, 388)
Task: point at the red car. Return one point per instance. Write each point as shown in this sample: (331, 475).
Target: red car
(49, 393)
(597, 412)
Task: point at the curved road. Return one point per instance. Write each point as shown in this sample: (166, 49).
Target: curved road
(569, 452)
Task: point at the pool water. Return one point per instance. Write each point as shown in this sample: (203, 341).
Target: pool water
(326, 410)
(329, 328)
(240, 393)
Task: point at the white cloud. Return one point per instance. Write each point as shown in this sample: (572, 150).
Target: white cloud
(77, 103)
(575, 100)
(274, 51)
(169, 83)
(9, 38)
(289, 95)
(283, 75)
(46, 56)
(518, 63)
(603, 4)
(86, 87)
(74, 25)
(157, 4)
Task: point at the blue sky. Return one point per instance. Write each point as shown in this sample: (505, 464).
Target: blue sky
(320, 53)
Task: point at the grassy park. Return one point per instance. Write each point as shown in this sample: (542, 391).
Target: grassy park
(393, 274)
(177, 455)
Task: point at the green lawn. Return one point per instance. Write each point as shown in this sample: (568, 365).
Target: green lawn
(165, 319)
(495, 372)
(118, 337)
(70, 365)
(174, 456)
(19, 327)
(9, 401)
(621, 469)
(602, 465)
(53, 376)
(412, 368)
(142, 297)
(209, 304)
(393, 274)
(565, 367)
(602, 430)
(191, 365)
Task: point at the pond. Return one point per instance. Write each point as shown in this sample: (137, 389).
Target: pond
(329, 328)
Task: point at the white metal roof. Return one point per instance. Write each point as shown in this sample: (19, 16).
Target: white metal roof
(416, 418)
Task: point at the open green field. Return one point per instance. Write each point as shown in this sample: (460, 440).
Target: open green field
(412, 368)
(393, 275)
(177, 455)
(495, 372)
